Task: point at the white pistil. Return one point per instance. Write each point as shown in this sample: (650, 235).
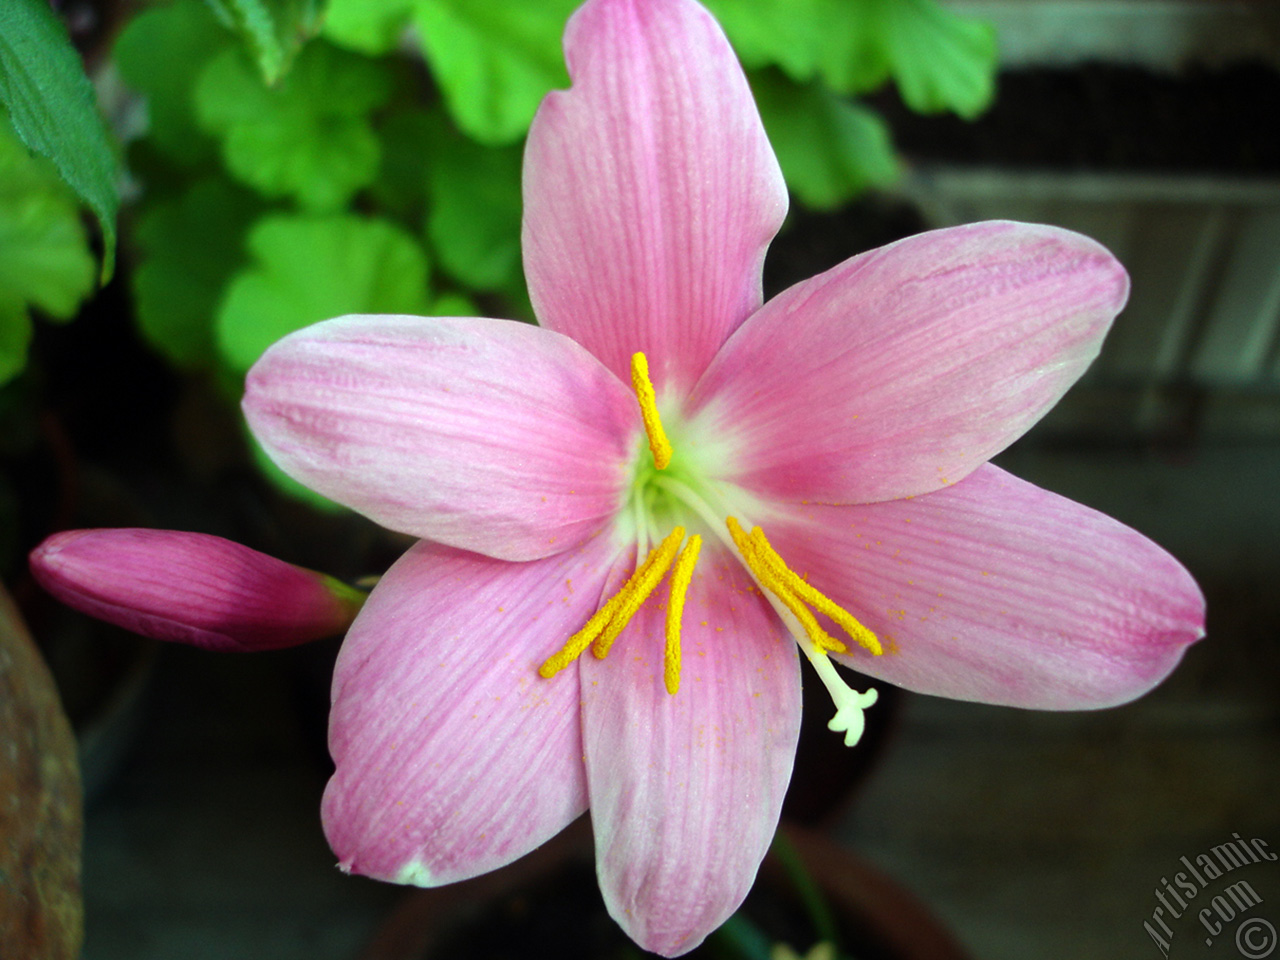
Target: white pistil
(850, 704)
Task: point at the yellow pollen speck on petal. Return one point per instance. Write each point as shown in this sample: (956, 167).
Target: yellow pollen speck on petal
(659, 445)
(681, 576)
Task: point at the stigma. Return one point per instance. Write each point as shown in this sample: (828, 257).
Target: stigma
(796, 602)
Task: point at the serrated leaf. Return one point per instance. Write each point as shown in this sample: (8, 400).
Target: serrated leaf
(273, 30)
(309, 137)
(494, 61)
(473, 220)
(160, 54)
(307, 269)
(53, 109)
(830, 149)
(939, 59)
(192, 247)
(370, 27)
(44, 254)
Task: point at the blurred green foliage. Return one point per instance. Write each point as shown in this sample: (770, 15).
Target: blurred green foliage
(272, 31)
(45, 261)
(309, 137)
(306, 268)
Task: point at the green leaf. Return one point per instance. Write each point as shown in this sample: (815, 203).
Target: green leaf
(309, 137)
(831, 40)
(830, 149)
(494, 61)
(273, 30)
(192, 246)
(370, 27)
(473, 220)
(308, 269)
(940, 60)
(160, 54)
(453, 305)
(407, 137)
(52, 107)
(44, 254)
(788, 34)
(15, 336)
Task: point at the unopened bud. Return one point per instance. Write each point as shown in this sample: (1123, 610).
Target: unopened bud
(193, 588)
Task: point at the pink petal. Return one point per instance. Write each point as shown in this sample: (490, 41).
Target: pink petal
(686, 789)
(650, 190)
(192, 588)
(997, 591)
(901, 370)
(453, 755)
(488, 435)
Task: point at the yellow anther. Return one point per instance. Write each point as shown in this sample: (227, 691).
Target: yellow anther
(659, 445)
(610, 620)
(751, 553)
(633, 595)
(592, 629)
(681, 576)
(816, 599)
(790, 588)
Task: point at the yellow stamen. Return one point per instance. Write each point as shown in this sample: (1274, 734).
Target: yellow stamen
(609, 621)
(681, 576)
(819, 601)
(659, 445)
(791, 589)
(751, 553)
(634, 595)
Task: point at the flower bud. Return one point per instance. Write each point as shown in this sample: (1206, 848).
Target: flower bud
(192, 588)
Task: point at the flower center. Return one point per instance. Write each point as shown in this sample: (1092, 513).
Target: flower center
(791, 596)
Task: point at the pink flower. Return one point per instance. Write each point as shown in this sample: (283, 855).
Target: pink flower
(192, 588)
(844, 427)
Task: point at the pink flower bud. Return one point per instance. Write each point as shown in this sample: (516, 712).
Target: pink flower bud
(193, 588)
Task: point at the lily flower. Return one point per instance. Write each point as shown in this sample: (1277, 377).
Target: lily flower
(637, 518)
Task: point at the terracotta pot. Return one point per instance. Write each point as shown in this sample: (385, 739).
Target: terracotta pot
(877, 917)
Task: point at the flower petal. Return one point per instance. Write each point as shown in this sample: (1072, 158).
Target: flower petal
(686, 788)
(902, 369)
(453, 756)
(997, 591)
(488, 435)
(192, 588)
(650, 190)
